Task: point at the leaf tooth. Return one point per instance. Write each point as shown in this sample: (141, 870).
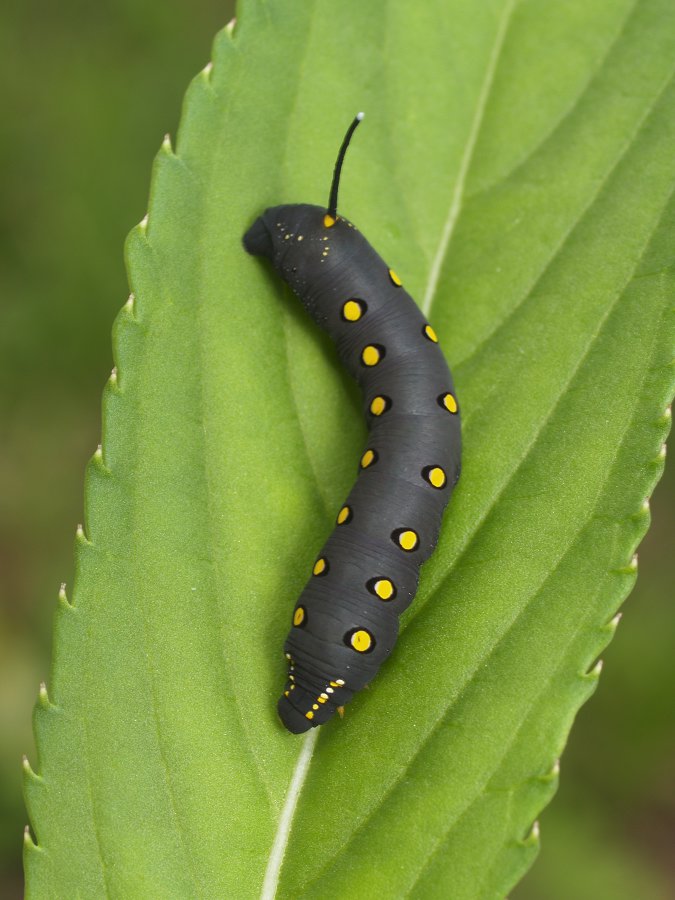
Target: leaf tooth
(43, 698)
(631, 567)
(112, 381)
(613, 623)
(129, 308)
(28, 770)
(594, 673)
(229, 28)
(532, 837)
(98, 461)
(80, 537)
(642, 515)
(166, 145)
(205, 75)
(552, 774)
(28, 842)
(64, 603)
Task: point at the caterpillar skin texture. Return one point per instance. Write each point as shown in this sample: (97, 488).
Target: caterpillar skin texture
(345, 622)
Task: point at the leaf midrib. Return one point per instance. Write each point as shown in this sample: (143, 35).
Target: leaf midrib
(455, 208)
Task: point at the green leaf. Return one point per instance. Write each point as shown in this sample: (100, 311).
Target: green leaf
(516, 166)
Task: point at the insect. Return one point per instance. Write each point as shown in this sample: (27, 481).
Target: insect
(345, 623)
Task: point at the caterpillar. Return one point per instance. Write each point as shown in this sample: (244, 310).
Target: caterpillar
(345, 623)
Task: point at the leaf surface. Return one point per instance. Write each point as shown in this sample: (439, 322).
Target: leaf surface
(516, 168)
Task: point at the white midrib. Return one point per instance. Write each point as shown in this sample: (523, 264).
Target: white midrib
(467, 156)
(269, 888)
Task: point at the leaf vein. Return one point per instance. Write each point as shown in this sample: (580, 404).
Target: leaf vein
(467, 156)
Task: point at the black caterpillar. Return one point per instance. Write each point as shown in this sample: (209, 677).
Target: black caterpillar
(345, 623)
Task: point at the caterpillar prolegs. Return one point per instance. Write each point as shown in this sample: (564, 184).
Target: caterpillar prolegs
(345, 622)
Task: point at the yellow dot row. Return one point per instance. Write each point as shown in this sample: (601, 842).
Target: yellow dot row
(383, 588)
(380, 404)
(323, 697)
(406, 538)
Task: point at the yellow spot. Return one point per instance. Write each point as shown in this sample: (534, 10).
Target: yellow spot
(436, 477)
(370, 355)
(334, 684)
(319, 566)
(430, 333)
(315, 706)
(286, 693)
(395, 279)
(352, 311)
(328, 221)
(367, 458)
(407, 539)
(292, 687)
(449, 402)
(361, 641)
(323, 696)
(378, 406)
(309, 715)
(298, 616)
(384, 589)
(322, 699)
(344, 515)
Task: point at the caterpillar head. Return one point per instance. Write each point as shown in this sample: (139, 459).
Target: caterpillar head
(285, 234)
(295, 238)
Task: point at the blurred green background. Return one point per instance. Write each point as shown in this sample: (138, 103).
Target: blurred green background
(89, 91)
